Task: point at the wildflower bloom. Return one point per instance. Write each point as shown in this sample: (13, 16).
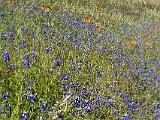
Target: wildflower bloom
(3, 36)
(10, 2)
(132, 42)
(83, 92)
(26, 61)
(44, 107)
(88, 21)
(99, 26)
(24, 116)
(76, 101)
(45, 9)
(11, 67)
(6, 56)
(5, 96)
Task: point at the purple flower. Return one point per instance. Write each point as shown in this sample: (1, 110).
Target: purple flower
(85, 102)
(11, 34)
(3, 36)
(131, 107)
(56, 63)
(44, 107)
(64, 77)
(60, 116)
(64, 87)
(26, 61)
(2, 15)
(83, 92)
(76, 101)
(125, 117)
(157, 114)
(110, 103)
(32, 98)
(103, 50)
(11, 67)
(88, 109)
(6, 56)
(99, 74)
(24, 116)
(5, 96)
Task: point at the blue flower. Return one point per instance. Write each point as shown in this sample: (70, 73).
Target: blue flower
(6, 56)
(56, 63)
(11, 67)
(131, 107)
(110, 103)
(64, 77)
(88, 109)
(2, 15)
(44, 107)
(83, 92)
(11, 34)
(24, 116)
(60, 116)
(5, 96)
(32, 98)
(76, 101)
(3, 36)
(125, 117)
(26, 61)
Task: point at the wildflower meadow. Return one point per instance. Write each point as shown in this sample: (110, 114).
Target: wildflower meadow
(61, 60)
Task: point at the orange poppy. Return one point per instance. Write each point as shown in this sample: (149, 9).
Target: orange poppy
(45, 9)
(132, 42)
(88, 21)
(99, 26)
(10, 2)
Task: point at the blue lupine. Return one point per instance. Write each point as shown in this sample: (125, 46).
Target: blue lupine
(32, 98)
(44, 107)
(85, 102)
(3, 36)
(2, 15)
(24, 116)
(11, 34)
(157, 114)
(99, 74)
(64, 77)
(25, 96)
(6, 56)
(65, 87)
(88, 108)
(60, 116)
(110, 103)
(26, 61)
(5, 96)
(33, 34)
(11, 67)
(76, 101)
(83, 92)
(56, 63)
(125, 117)
(24, 44)
(131, 107)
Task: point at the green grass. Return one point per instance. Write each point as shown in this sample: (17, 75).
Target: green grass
(128, 17)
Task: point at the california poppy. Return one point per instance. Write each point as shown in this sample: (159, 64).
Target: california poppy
(10, 2)
(132, 42)
(88, 21)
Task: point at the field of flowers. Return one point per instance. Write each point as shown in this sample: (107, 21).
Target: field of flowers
(59, 65)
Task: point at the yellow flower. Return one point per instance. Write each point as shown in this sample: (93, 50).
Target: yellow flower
(10, 2)
(99, 26)
(132, 42)
(45, 9)
(88, 21)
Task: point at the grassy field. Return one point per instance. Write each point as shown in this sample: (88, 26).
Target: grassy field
(80, 60)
